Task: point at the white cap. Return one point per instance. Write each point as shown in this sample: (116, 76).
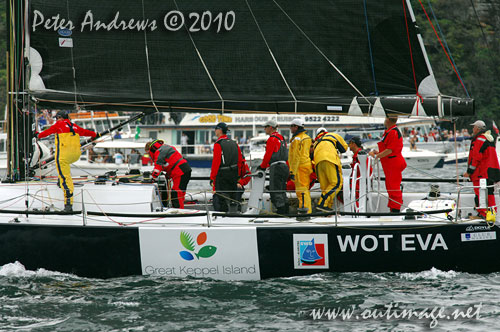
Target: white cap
(298, 122)
(479, 124)
(320, 130)
(271, 123)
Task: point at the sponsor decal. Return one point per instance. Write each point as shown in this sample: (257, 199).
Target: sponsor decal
(479, 236)
(64, 32)
(188, 243)
(384, 242)
(65, 42)
(310, 251)
(475, 228)
(227, 254)
(215, 118)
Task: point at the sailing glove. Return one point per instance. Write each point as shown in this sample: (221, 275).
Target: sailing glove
(35, 135)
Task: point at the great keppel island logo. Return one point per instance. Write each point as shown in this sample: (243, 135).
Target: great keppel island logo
(310, 251)
(188, 243)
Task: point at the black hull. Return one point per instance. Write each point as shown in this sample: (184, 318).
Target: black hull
(107, 252)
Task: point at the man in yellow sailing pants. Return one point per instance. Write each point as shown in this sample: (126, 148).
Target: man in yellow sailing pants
(67, 151)
(300, 162)
(326, 150)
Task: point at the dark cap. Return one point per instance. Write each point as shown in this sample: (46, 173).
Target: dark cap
(222, 126)
(356, 140)
(62, 114)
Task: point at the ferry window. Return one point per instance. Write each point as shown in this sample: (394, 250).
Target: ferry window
(285, 133)
(203, 137)
(238, 133)
(248, 134)
(177, 138)
(99, 126)
(153, 134)
(2, 146)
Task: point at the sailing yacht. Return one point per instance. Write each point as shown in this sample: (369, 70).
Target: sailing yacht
(261, 57)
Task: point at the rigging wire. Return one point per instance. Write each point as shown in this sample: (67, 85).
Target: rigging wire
(419, 98)
(73, 69)
(147, 61)
(478, 22)
(203, 63)
(446, 44)
(323, 54)
(442, 46)
(272, 55)
(370, 49)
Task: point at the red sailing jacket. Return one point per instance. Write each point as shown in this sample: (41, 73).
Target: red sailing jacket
(166, 158)
(243, 171)
(273, 145)
(391, 139)
(355, 160)
(218, 158)
(482, 156)
(65, 126)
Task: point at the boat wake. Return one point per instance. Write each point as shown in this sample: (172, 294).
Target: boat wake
(17, 269)
(431, 274)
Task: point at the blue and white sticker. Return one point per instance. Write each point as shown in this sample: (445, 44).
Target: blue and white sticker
(479, 236)
(65, 42)
(65, 32)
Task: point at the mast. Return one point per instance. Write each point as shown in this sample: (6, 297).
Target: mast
(19, 120)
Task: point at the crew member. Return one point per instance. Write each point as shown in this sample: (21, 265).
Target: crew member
(326, 149)
(226, 163)
(68, 151)
(167, 159)
(275, 158)
(243, 180)
(393, 162)
(300, 162)
(483, 164)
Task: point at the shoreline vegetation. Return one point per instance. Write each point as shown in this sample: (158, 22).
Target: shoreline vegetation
(472, 34)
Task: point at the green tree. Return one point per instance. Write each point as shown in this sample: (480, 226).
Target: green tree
(471, 29)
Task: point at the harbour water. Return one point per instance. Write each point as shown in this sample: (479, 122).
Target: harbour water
(441, 301)
(429, 300)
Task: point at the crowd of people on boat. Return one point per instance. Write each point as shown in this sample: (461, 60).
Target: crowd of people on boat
(292, 165)
(296, 164)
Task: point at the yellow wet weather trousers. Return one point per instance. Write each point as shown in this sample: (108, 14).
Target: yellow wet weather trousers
(302, 182)
(330, 181)
(67, 152)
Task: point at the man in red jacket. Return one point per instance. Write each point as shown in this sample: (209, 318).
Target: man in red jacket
(226, 164)
(67, 151)
(167, 159)
(483, 164)
(276, 158)
(393, 162)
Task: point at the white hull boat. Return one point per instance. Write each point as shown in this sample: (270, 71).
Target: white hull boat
(242, 65)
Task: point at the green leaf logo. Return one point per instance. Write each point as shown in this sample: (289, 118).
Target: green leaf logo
(187, 241)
